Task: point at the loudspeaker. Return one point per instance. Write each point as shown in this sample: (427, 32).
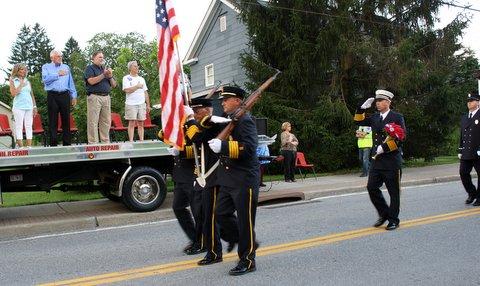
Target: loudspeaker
(261, 126)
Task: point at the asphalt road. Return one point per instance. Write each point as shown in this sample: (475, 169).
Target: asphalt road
(331, 243)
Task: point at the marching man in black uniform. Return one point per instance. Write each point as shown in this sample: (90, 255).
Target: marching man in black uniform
(206, 128)
(183, 192)
(238, 178)
(468, 151)
(386, 167)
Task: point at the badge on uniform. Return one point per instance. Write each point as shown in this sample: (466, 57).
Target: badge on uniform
(476, 121)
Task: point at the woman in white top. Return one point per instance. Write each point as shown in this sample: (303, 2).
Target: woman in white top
(24, 107)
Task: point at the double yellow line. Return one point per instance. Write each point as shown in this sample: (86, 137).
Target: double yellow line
(269, 250)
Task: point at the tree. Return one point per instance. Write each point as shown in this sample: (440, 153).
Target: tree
(334, 54)
(31, 47)
(41, 48)
(21, 48)
(71, 46)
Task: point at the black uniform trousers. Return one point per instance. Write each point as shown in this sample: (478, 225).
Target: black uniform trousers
(59, 102)
(183, 196)
(465, 169)
(212, 232)
(289, 158)
(391, 178)
(244, 200)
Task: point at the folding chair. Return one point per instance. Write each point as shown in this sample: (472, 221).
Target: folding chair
(37, 127)
(117, 125)
(5, 129)
(301, 163)
(73, 127)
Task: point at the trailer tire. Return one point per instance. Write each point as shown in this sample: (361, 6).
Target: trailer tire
(144, 189)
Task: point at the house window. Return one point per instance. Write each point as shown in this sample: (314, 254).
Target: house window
(223, 23)
(209, 75)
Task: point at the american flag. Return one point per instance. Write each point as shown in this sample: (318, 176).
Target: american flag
(173, 116)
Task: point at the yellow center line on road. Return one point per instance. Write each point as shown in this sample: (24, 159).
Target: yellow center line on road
(268, 250)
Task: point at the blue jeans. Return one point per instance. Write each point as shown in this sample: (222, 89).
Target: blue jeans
(364, 157)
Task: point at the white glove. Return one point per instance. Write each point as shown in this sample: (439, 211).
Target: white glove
(173, 151)
(460, 156)
(215, 144)
(219, 119)
(379, 150)
(188, 110)
(367, 103)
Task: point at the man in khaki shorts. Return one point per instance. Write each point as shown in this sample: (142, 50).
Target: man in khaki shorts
(137, 102)
(99, 82)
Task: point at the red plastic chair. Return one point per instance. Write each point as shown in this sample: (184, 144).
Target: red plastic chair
(301, 163)
(5, 129)
(147, 124)
(37, 128)
(73, 127)
(117, 125)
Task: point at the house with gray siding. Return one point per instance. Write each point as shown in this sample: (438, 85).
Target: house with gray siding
(214, 54)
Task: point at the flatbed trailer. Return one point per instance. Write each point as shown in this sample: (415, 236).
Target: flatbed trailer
(130, 172)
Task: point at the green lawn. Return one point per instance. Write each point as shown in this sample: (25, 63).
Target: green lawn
(32, 198)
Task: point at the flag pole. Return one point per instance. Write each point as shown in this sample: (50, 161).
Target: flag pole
(184, 83)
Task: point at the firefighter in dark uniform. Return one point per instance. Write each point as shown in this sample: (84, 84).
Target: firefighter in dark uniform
(468, 151)
(206, 128)
(386, 167)
(190, 221)
(238, 177)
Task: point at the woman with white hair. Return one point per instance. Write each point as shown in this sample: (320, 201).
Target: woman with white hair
(24, 107)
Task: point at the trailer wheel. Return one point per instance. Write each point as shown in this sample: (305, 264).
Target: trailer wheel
(144, 189)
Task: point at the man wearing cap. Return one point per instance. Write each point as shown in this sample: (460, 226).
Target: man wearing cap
(238, 178)
(190, 221)
(386, 167)
(468, 151)
(209, 126)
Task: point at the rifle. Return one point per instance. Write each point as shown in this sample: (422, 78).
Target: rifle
(214, 89)
(247, 105)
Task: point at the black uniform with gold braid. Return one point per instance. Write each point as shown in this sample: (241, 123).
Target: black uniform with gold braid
(386, 167)
(239, 178)
(184, 195)
(204, 131)
(468, 148)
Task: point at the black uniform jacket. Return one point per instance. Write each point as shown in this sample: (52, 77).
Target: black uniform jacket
(239, 166)
(200, 134)
(470, 137)
(184, 163)
(391, 159)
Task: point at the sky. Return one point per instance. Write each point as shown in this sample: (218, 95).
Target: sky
(83, 19)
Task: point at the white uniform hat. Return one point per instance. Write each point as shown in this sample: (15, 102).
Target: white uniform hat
(383, 94)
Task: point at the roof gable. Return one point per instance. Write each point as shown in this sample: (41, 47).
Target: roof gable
(206, 22)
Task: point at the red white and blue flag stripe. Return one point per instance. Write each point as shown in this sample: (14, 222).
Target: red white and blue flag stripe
(173, 116)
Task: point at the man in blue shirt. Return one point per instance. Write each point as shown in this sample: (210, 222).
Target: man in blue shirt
(61, 93)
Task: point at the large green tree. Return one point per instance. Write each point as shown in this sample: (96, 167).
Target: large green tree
(32, 47)
(71, 46)
(334, 54)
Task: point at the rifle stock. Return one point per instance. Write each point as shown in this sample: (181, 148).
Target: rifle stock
(247, 105)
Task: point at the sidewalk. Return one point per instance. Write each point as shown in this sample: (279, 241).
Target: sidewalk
(26, 221)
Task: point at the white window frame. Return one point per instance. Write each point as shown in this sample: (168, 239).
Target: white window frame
(223, 23)
(209, 78)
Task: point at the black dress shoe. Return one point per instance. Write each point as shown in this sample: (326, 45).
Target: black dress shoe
(209, 260)
(195, 249)
(392, 226)
(379, 222)
(470, 199)
(476, 203)
(242, 268)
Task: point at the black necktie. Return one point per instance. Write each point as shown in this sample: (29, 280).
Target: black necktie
(470, 116)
